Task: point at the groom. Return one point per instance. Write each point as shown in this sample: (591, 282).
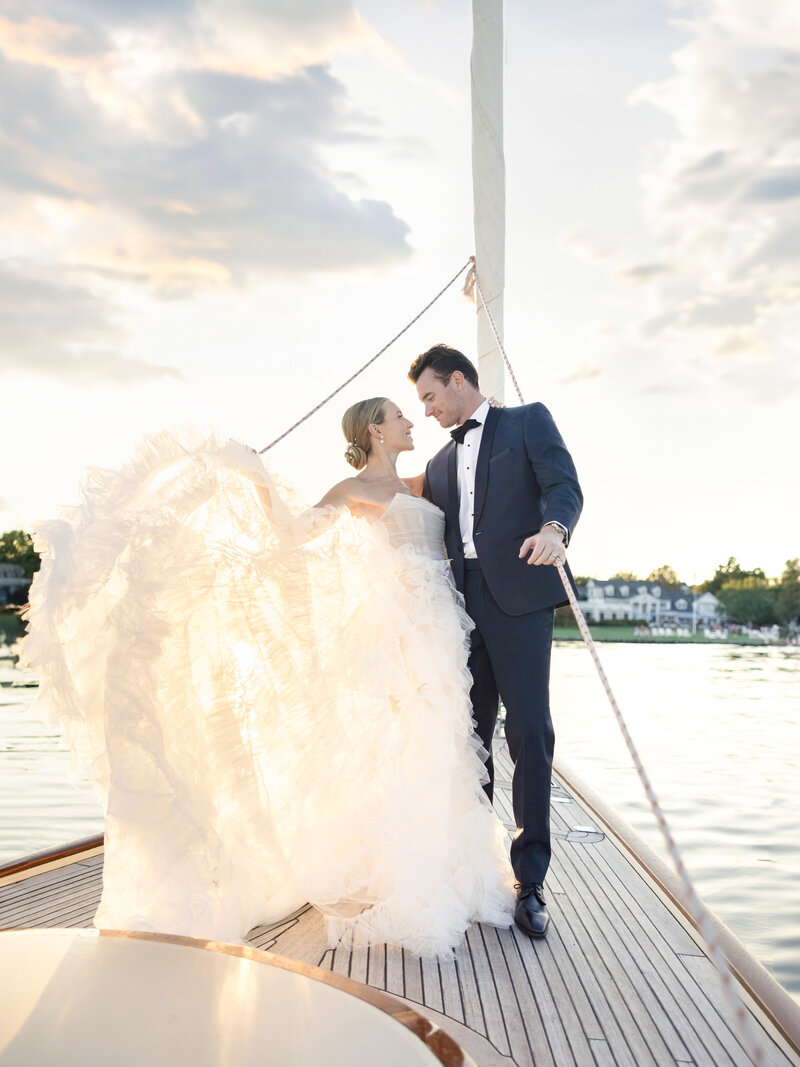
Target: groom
(510, 495)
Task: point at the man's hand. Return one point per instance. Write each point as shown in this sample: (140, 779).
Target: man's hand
(546, 547)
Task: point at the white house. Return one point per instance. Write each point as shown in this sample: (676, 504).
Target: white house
(624, 601)
(708, 608)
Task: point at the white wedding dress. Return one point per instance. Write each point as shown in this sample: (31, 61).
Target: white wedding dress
(273, 704)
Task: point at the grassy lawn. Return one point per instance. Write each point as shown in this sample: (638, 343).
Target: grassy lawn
(626, 633)
(599, 633)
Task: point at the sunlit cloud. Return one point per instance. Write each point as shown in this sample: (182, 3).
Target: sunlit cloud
(64, 331)
(186, 173)
(743, 344)
(236, 36)
(46, 42)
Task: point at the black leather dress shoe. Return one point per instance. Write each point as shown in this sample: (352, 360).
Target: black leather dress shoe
(531, 911)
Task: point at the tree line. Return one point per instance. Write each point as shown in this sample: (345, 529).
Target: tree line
(746, 596)
(16, 546)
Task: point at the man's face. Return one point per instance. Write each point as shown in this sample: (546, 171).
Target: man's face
(444, 402)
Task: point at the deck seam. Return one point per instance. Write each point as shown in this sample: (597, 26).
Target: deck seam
(610, 1040)
(665, 957)
(52, 907)
(480, 1000)
(496, 993)
(535, 1003)
(460, 991)
(665, 1012)
(615, 1047)
(578, 1015)
(627, 1025)
(690, 982)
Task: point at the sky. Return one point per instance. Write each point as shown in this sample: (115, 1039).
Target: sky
(211, 214)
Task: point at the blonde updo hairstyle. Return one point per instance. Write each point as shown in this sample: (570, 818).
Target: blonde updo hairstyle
(356, 422)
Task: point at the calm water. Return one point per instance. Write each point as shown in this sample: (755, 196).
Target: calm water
(716, 727)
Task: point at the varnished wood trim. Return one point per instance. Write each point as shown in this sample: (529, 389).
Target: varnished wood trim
(51, 857)
(443, 1047)
(777, 1006)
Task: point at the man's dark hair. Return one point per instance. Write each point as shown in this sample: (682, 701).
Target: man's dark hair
(443, 360)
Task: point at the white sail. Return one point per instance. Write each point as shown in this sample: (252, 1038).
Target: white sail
(488, 184)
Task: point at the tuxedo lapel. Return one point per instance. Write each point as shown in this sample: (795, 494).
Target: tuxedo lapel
(482, 469)
(452, 484)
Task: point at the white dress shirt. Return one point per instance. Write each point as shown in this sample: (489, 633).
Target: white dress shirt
(466, 462)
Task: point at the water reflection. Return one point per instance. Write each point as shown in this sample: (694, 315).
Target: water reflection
(39, 805)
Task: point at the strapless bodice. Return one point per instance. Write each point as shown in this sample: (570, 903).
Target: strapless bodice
(412, 520)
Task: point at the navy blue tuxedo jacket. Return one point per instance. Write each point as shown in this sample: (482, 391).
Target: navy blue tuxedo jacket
(524, 478)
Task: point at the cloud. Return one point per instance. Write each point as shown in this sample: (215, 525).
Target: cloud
(262, 40)
(583, 372)
(768, 383)
(43, 41)
(589, 247)
(665, 389)
(643, 273)
(63, 331)
(721, 200)
(709, 311)
(783, 184)
(743, 344)
(171, 160)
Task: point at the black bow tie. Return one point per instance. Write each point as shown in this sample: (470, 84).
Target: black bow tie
(461, 431)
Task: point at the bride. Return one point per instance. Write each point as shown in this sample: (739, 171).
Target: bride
(272, 701)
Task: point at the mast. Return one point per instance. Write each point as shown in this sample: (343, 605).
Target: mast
(488, 184)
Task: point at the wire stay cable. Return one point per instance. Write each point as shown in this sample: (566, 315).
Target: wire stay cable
(369, 362)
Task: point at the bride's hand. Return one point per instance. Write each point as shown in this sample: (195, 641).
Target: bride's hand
(495, 403)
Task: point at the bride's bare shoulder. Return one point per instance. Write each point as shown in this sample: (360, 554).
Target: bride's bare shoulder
(342, 494)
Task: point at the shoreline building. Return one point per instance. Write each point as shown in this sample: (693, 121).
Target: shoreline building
(619, 600)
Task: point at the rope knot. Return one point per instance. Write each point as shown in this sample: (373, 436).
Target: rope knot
(469, 282)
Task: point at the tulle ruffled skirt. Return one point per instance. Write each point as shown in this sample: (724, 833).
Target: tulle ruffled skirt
(273, 705)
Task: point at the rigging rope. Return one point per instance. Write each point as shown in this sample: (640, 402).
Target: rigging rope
(754, 1046)
(369, 362)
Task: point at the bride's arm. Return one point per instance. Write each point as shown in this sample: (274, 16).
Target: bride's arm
(310, 523)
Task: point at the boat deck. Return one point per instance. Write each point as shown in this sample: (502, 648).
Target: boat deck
(621, 978)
